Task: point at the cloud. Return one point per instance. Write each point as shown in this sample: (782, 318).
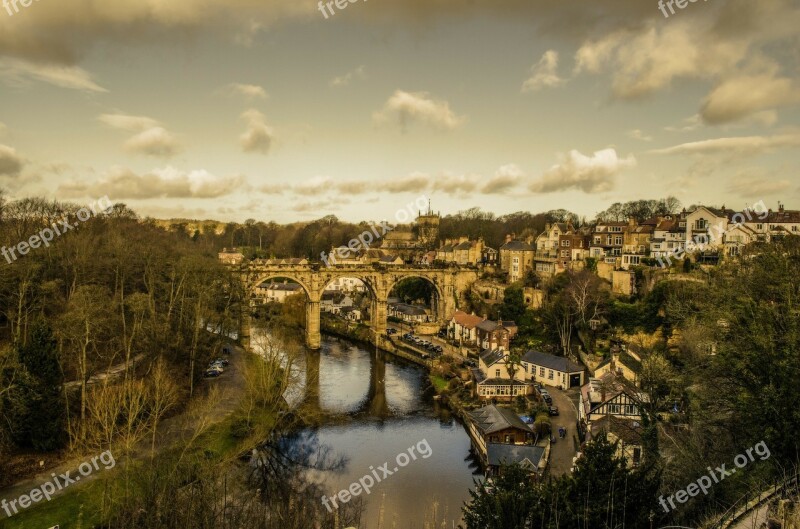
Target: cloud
(167, 182)
(11, 163)
(590, 174)
(750, 183)
(258, 137)
(151, 139)
(249, 91)
(730, 47)
(359, 73)
(691, 123)
(409, 107)
(413, 182)
(746, 95)
(18, 72)
(740, 146)
(153, 142)
(544, 74)
(637, 134)
(505, 178)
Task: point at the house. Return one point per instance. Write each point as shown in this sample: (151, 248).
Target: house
(231, 257)
(493, 425)
(552, 370)
(622, 364)
(464, 327)
(609, 396)
(489, 256)
(635, 244)
(272, 292)
(493, 376)
(495, 334)
(346, 284)
(461, 251)
(516, 258)
(529, 457)
(350, 313)
(409, 313)
(625, 433)
(391, 260)
(554, 248)
(341, 303)
(607, 239)
(669, 236)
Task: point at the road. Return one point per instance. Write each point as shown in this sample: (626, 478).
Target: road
(564, 450)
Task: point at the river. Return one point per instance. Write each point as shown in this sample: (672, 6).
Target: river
(378, 408)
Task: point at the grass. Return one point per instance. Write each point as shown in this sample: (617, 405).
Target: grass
(439, 383)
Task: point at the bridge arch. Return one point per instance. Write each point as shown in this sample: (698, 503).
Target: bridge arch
(253, 286)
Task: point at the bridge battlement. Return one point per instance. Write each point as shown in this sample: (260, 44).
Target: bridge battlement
(449, 283)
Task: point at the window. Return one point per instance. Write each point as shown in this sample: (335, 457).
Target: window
(550, 374)
(541, 371)
(794, 228)
(701, 224)
(618, 240)
(564, 243)
(630, 409)
(497, 373)
(759, 226)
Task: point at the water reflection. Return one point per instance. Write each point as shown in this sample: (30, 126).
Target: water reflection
(374, 408)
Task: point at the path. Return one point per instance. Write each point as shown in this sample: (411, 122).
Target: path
(564, 450)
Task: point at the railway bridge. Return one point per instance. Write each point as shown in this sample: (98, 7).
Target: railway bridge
(449, 285)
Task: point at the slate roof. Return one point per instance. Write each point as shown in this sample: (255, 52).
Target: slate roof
(518, 246)
(490, 357)
(556, 363)
(527, 456)
(490, 419)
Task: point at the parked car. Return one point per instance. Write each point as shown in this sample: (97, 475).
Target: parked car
(553, 410)
(438, 349)
(391, 331)
(224, 361)
(547, 398)
(212, 372)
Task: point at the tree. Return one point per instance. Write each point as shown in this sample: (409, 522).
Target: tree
(43, 426)
(509, 504)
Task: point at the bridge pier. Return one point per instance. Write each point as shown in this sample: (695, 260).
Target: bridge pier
(379, 314)
(244, 328)
(313, 335)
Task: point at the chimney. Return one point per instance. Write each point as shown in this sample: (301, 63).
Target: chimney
(780, 207)
(529, 239)
(508, 238)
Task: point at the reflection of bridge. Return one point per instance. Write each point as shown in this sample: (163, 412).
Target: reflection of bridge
(374, 403)
(449, 285)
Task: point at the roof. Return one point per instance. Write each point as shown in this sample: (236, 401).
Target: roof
(411, 310)
(557, 363)
(291, 287)
(518, 246)
(527, 456)
(470, 321)
(490, 357)
(627, 430)
(490, 419)
(630, 362)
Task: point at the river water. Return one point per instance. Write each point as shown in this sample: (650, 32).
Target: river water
(379, 409)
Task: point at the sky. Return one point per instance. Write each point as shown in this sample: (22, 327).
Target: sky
(276, 111)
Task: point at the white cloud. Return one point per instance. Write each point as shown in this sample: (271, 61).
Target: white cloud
(409, 107)
(752, 183)
(637, 134)
(153, 142)
(544, 74)
(739, 146)
(11, 163)
(249, 91)
(359, 73)
(20, 73)
(742, 96)
(151, 139)
(167, 182)
(505, 178)
(590, 174)
(259, 136)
